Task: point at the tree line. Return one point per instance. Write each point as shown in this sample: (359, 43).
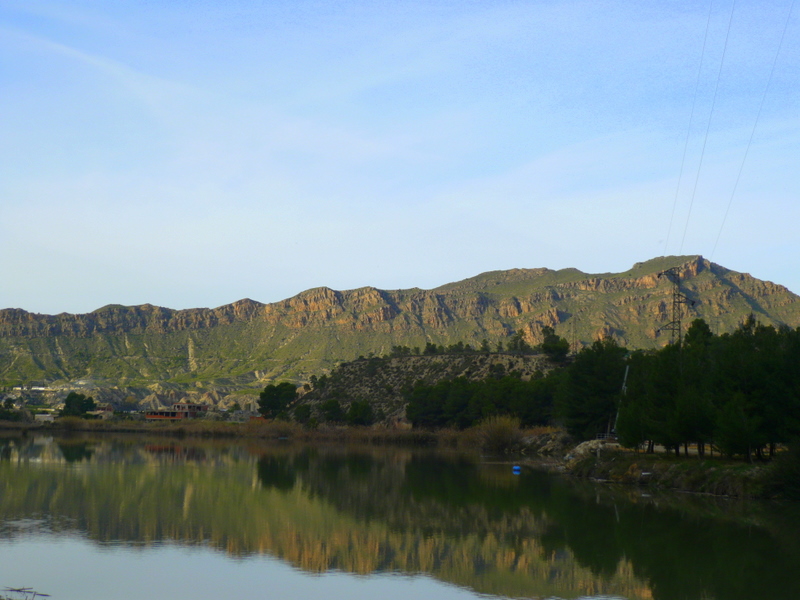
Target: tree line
(276, 402)
(554, 346)
(738, 392)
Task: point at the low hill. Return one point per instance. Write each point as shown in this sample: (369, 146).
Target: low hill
(248, 343)
(383, 382)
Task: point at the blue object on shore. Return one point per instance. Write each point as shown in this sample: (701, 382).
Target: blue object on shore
(516, 469)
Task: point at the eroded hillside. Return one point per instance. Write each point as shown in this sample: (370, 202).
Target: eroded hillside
(248, 343)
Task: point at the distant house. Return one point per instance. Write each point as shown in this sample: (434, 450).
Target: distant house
(179, 410)
(104, 411)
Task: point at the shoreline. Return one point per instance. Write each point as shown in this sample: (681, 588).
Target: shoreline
(717, 476)
(596, 461)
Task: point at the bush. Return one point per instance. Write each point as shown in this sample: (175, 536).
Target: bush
(302, 413)
(500, 434)
(360, 413)
(332, 411)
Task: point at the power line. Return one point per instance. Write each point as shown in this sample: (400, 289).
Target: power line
(752, 133)
(708, 127)
(689, 128)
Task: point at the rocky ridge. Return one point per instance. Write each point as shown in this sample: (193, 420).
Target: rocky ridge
(249, 343)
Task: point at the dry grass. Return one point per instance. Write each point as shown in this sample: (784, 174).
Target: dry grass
(263, 430)
(500, 434)
(497, 435)
(542, 430)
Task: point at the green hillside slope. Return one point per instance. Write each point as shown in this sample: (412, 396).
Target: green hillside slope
(250, 343)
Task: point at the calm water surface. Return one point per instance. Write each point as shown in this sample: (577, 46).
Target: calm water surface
(115, 518)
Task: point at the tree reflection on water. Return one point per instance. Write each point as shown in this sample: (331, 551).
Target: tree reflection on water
(397, 510)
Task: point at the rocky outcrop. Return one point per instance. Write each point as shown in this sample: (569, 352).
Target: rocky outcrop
(114, 319)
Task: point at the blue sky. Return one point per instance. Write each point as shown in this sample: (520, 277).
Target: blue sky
(194, 153)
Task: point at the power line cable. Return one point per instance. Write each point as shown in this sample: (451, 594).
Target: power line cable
(752, 133)
(708, 127)
(688, 129)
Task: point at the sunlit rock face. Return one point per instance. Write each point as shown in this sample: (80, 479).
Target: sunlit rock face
(248, 341)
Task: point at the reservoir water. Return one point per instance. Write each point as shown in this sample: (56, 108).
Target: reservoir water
(110, 518)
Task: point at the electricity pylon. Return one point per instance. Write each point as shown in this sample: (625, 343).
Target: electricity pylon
(674, 326)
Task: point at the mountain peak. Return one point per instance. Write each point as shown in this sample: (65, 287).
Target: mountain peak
(313, 330)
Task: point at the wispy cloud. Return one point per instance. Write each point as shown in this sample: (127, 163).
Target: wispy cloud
(156, 93)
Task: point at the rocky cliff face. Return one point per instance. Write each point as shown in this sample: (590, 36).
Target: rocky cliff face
(248, 342)
(124, 319)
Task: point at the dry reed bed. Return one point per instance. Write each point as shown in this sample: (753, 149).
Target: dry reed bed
(499, 434)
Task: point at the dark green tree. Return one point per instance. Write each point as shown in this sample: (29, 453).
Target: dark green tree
(430, 348)
(463, 403)
(517, 344)
(77, 405)
(694, 399)
(698, 335)
(738, 429)
(360, 413)
(588, 399)
(302, 414)
(554, 347)
(332, 411)
(275, 399)
(8, 413)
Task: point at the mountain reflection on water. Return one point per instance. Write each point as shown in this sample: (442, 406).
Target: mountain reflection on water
(453, 517)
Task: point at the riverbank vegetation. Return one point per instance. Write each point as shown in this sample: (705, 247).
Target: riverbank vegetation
(738, 393)
(496, 436)
(500, 435)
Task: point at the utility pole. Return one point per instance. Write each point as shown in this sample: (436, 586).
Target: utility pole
(624, 393)
(674, 326)
(574, 339)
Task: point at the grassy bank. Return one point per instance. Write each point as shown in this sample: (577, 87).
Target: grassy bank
(717, 476)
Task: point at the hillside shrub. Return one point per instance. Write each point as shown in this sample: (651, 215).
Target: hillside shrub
(360, 413)
(332, 411)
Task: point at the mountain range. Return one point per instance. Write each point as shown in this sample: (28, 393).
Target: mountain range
(248, 343)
